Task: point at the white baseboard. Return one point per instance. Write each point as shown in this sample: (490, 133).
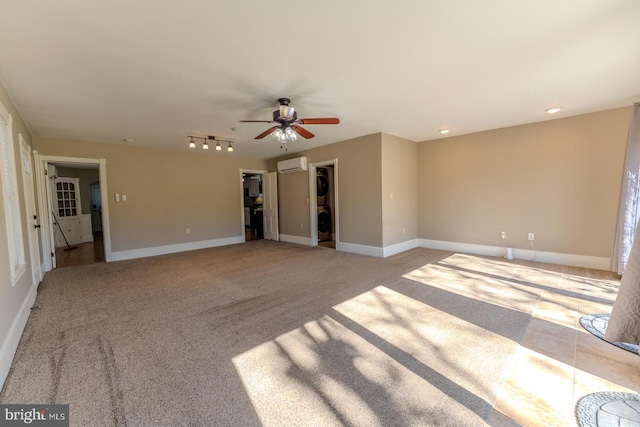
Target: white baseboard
(360, 249)
(296, 239)
(399, 247)
(468, 248)
(170, 249)
(10, 342)
(377, 251)
(585, 261)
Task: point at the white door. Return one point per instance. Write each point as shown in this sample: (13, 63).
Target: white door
(66, 196)
(270, 205)
(30, 204)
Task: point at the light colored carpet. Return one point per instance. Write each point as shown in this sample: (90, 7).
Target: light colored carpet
(275, 334)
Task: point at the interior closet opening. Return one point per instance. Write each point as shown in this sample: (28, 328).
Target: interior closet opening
(325, 206)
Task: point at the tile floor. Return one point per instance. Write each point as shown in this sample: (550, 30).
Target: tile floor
(558, 361)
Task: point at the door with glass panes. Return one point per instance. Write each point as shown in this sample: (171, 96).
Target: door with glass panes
(67, 211)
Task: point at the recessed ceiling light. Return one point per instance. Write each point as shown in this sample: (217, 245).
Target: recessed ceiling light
(444, 131)
(553, 110)
(129, 140)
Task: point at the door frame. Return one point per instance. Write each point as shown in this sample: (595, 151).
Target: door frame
(313, 199)
(31, 212)
(43, 190)
(242, 172)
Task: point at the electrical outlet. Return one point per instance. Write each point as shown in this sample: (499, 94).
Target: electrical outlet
(188, 230)
(531, 236)
(503, 235)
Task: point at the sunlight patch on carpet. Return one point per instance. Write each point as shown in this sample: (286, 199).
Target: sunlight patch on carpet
(386, 357)
(324, 371)
(486, 280)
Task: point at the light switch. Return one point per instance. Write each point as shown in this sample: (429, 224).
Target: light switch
(117, 196)
(124, 197)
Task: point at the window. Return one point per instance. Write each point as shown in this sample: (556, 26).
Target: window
(67, 197)
(11, 201)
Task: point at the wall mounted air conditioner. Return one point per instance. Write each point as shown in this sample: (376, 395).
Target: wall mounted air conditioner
(299, 164)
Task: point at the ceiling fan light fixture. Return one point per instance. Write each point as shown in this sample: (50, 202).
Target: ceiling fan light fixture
(277, 135)
(230, 147)
(218, 147)
(287, 124)
(290, 134)
(192, 144)
(205, 145)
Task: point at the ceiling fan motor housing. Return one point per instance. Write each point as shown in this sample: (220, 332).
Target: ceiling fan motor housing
(285, 114)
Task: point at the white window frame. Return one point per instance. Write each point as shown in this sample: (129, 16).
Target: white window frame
(11, 199)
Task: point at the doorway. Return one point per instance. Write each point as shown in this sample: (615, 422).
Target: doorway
(323, 188)
(95, 206)
(252, 203)
(68, 232)
(76, 242)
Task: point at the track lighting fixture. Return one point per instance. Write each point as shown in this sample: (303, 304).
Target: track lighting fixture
(207, 139)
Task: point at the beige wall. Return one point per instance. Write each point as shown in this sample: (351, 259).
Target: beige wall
(559, 179)
(399, 190)
(86, 177)
(359, 182)
(12, 298)
(293, 210)
(167, 192)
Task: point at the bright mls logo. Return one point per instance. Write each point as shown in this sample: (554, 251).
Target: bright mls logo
(34, 415)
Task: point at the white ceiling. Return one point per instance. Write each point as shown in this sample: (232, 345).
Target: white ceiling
(157, 71)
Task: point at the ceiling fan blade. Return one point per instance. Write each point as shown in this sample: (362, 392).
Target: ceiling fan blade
(256, 121)
(266, 132)
(323, 121)
(302, 132)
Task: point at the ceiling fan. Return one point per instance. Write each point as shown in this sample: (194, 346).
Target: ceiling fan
(287, 126)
